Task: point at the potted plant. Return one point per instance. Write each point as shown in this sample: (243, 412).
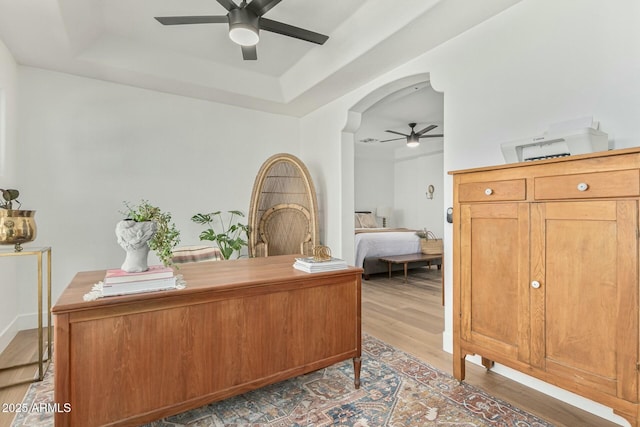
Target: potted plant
(146, 227)
(17, 226)
(230, 238)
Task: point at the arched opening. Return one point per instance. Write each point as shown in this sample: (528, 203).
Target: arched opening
(407, 171)
(354, 121)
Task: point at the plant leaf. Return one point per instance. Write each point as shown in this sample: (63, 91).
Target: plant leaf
(201, 218)
(208, 234)
(10, 194)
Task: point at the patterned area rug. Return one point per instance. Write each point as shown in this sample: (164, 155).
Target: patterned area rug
(397, 390)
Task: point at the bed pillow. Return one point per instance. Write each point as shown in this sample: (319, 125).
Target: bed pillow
(367, 220)
(357, 221)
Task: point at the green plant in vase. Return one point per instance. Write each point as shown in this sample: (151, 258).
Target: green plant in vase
(230, 236)
(146, 227)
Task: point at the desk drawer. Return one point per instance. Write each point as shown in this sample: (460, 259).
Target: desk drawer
(588, 185)
(492, 191)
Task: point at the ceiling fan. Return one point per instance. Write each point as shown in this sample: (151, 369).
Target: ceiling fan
(413, 139)
(245, 22)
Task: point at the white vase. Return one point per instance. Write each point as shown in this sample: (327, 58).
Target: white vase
(134, 238)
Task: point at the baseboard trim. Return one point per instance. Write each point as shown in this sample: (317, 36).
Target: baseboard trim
(30, 320)
(573, 399)
(9, 333)
(447, 342)
(20, 323)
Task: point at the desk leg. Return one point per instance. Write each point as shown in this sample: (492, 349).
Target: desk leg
(40, 330)
(357, 365)
(49, 324)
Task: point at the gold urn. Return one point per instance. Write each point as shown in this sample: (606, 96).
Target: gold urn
(17, 227)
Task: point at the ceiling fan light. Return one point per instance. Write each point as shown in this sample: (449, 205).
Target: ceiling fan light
(413, 141)
(243, 27)
(244, 35)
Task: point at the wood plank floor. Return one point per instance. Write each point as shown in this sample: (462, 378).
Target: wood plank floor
(408, 316)
(22, 349)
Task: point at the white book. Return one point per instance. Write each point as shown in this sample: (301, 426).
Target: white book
(137, 287)
(311, 262)
(117, 275)
(318, 270)
(312, 266)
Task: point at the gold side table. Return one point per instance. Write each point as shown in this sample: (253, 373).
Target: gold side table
(43, 363)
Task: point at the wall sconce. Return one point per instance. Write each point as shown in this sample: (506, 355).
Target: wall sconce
(430, 190)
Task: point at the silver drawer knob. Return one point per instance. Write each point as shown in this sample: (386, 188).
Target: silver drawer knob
(583, 186)
(488, 191)
(535, 284)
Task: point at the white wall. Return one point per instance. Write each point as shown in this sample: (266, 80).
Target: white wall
(503, 80)
(401, 183)
(8, 126)
(86, 146)
(374, 184)
(412, 207)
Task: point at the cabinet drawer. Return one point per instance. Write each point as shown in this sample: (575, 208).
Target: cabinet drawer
(588, 185)
(492, 191)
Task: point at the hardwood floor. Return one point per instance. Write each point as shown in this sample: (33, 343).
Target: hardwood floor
(408, 316)
(22, 349)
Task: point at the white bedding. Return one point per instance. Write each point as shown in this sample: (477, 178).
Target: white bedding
(385, 243)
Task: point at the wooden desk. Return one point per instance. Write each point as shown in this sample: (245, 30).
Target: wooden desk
(406, 259)
(239, 325)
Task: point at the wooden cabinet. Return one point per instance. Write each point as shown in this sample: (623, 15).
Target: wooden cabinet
(546, 278)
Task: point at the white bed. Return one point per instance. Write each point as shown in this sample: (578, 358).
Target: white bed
(373, 242)
(377, 242)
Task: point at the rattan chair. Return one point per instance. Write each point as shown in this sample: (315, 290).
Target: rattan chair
(283, 216)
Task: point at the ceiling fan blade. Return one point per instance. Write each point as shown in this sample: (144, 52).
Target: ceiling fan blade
(397, 133)
(427, 129)
(228, 4)
(396, 139)
(180, 20)
(431, 136)
(291, 31)
(249, 53)
(260, 7)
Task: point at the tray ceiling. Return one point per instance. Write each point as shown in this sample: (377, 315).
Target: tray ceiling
(119, 41)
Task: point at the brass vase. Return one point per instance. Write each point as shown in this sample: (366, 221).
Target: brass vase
(17, 227)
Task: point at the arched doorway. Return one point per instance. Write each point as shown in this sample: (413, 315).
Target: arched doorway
(354, 121)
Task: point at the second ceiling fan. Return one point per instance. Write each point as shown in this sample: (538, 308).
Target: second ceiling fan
(413, 139)
(245, 22)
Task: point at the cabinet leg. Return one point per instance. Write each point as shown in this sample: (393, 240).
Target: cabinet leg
(487, 363)
(458, 368)
(357, 365)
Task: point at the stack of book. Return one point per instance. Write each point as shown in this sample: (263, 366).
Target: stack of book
(310, 265)
(156, 278)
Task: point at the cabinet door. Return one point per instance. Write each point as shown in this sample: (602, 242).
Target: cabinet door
(585, 313)
(494, 291)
